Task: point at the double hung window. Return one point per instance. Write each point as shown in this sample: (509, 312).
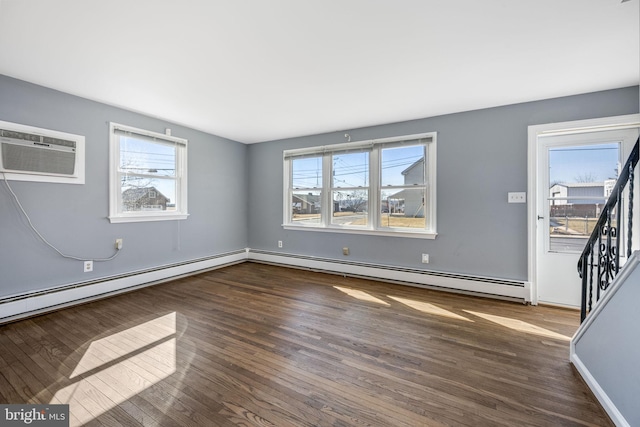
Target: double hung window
(350, 188)
(148, 175)
(306, 188)
(373, 187)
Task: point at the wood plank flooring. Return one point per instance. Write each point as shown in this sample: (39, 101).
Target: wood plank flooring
(260, 345)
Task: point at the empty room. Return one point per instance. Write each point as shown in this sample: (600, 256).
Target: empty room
(286, 213)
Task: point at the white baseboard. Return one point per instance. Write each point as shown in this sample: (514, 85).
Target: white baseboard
(21, 306)
(497, 288)
(26, 305)
(633, 262)
(608, 405)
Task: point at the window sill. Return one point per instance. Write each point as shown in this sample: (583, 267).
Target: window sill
(146, 218)
(364, 231)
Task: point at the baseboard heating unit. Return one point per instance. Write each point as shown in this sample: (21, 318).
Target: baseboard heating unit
(37, 302)
(17, 307)
(460, 283)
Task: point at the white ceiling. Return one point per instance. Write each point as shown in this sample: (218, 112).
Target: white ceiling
(256, 70)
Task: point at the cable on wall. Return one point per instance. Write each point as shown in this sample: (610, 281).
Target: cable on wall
(41, 237)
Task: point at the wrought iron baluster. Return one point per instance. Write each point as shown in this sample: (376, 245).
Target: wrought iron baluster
(630, 220)
(607, 239)
(615, 248)
(600, 246)
(591, 278)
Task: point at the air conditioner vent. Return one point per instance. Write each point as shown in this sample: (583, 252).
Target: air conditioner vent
(34, 154)
(37, 159)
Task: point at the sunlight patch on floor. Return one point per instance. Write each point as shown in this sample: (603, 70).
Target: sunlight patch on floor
(120, 344)
(361, 295)
(428, 308)
(519, 325)
(118, 367)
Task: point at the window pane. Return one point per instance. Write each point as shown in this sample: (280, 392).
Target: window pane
(581, 179)
(350, 207)
(145, 157)
(572, 221)
(351, 170)
(306, 207)
(403, 209)
(582, 165)
(143, 194)
(307, 172)
(403, 165)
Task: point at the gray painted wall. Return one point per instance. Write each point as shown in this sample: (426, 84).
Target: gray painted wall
(610, 349)
(482, 155)
(74, 217)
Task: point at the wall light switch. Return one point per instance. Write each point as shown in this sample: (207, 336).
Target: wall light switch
(517, 197)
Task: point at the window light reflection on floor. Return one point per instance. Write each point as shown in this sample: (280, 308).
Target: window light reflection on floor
(361, 295)
(116, 368)
(519, 325)
(428, 308)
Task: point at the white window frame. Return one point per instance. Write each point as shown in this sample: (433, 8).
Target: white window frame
(373, 228)
(116, 213)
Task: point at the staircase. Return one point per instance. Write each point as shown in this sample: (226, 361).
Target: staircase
(600, 261)
(606, 348)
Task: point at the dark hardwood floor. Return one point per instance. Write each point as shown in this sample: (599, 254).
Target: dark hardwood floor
(259, 345)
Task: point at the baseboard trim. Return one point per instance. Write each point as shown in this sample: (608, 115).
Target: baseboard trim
(26, 305)
(18, 307)
(474, 285)
(608, 405)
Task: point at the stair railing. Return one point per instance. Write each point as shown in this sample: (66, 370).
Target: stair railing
(600, 259)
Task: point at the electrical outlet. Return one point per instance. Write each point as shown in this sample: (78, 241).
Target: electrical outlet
(88, 266)
(425, 258)
(279, 243)
(118, 244)
(345, 251)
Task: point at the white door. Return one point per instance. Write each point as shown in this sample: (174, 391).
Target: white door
(575, 174)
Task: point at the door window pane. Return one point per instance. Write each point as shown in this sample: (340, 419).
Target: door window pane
(572, 222)
(584, 164)
(580, 181)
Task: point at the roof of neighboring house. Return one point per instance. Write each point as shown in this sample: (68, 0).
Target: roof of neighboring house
(416, 163)
(139, 193)
(580, 184)
(308, 198)
(400, 195)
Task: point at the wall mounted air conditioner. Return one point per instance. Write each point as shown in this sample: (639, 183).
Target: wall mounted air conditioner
(33, 154)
